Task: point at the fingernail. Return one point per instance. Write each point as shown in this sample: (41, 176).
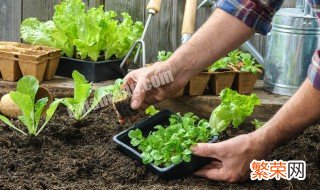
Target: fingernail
(135, 104)
(193, 148)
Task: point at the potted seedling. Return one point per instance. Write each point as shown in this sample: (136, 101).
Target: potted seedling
(29, 108)
(163, 141)
(121, 101)
(78, 105)
(222, 75)
(92, 41)
(247, 75)
(163, 56)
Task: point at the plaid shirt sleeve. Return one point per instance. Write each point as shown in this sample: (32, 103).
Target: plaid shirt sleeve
(258, 14)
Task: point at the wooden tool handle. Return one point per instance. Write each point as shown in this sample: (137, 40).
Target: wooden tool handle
(189, 19)
(154, 5)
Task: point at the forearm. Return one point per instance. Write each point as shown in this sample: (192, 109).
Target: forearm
(302, 110)
(218, 36)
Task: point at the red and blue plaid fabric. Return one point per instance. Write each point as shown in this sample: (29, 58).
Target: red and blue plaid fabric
(258, 14)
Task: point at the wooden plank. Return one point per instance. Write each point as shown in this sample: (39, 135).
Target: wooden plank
(165, 29)
(43, 10)
(10, 19)
(134, 7)
(93, 3)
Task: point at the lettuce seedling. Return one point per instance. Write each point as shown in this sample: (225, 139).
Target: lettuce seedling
(121, 100)
(221, 65)
(24, 97)
(163, 55)
(234, 108)
(249, 64)
(171, 144)
(82, 91)
(151, 110)
(257, 124)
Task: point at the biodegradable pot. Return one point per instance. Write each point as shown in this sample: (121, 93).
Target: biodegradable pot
(198, 84)
(221, 80)
(33, 63)
(123, 108)
(146, 126)
(9, 67)
(244, 82)
(53, 61)
(93, 71)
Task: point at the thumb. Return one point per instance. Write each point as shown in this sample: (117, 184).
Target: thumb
(212, 150)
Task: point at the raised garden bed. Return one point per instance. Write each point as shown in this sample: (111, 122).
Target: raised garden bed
(81, 155)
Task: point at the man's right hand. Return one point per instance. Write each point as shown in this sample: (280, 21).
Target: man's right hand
(145, 92)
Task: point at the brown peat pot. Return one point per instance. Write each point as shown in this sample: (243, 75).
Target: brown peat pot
(244, 82)
(221, 80)
(123, 108)
(9, 66)
(198, 84)
(17, 59)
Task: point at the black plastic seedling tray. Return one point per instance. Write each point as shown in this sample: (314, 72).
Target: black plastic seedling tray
(146, 126)
(93, 71)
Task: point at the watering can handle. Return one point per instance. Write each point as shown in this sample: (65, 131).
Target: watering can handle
(154, 6)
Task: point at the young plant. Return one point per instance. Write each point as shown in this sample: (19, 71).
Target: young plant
(24, 98)
(121, 100)
(163, 55)
(151, 110)
(171, 144)
(234, 108)
(249, 64)
(82, 91)
(221, 65)
(257, 124)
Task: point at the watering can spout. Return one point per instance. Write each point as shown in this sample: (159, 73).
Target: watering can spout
(207, 3)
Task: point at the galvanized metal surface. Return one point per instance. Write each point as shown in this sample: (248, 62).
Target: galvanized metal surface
(290, 46)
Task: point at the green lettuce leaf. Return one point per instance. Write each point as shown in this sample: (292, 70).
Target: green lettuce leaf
(234, 108)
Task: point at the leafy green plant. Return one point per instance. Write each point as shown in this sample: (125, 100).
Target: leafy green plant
(234, 108)
(151, 110)
(221, 65)
(163, 55)
(257, 124)
(82, 91)
(171, 144)
(249, 64)
(234, 56)
(24, 98)
(116, 90)
(91, 34)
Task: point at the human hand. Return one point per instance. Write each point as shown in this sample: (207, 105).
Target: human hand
(154, 84)
(232, 158)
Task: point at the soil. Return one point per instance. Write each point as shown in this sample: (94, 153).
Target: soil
(82, 155)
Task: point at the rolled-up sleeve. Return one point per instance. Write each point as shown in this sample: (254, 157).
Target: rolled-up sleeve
(314, 70)
(257, 14)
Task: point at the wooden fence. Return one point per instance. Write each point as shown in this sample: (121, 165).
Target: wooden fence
(163, 34)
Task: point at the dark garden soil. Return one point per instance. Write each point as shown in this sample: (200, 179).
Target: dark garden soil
(71, 155)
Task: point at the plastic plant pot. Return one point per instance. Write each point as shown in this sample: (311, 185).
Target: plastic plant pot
(146, 126)
(220, 81)
(244, 82)
(93, 71)
(198, 84)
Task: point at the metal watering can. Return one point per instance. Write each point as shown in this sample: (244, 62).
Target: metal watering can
(289, 49)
